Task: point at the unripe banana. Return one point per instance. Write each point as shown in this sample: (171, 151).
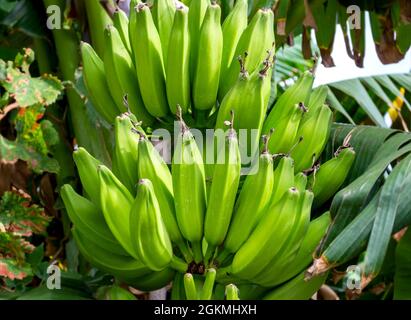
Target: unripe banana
(116, 203)
(247, 100)
(178, 63)
(111, 75)
(89, 220)
(197, 11)
(114, 292)
(249, 207)
(210, 48)
(148, 234)
(190, 287)
(314, 131)
(286, 129)
(146, 45)
(121, 76)
(87, 169)
(293, 265)
(283, 178)
(153, 281)
(121, 22)
(163, 16)
(297, 93)
(207, 290)
(152, 166)
(231, 292)
(267, 238)
(331, 175)
(188, 174)
(223, 190)
(233, 27)
(123, 267)
(256, 40)
(297, 288)
(125, 153)
(317, 98)
(291, 245)
(96, 84)
(300, 181)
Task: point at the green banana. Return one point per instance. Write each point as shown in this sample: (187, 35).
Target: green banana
(223, 191)
(152, 166)
(188, 174)
(178, 63)
(121, 22)
(116, 202)
(314, 131)
(286, 129)
(231, 292)
(123, 267)
(208, 287)
(163, 15)
(87, 218)
(146, 45)
(121, 76)
(95, 80)
(256, 40)
(299, 92)
(112, 78)
(208, 62)
(125, 153)
(267, 238)
(292, 244)
(148, 234)
(297, 288)
(300, 181)
(153, 281)
(331, 175)
(283, 178)
(249, 208)
(317, 98)
(233, 27)
(190, 287)
(196, 13)
(292, 266)
(87, 169)
(114, 293)
(247, 100)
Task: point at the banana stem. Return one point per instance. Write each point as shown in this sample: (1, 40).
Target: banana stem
(185, 251)
(197, 251)
(178, 264)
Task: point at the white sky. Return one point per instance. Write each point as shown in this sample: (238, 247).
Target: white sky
(345, 67)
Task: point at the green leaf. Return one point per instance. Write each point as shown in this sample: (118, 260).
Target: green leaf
(43, 293)
(12, 151)
(402, 277)
(335, 104)
(355, 89)
(388, 203)
(28, 91)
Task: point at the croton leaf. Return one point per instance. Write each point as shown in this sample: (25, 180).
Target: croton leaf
(12, 151)
(10, 269)
(19, 220)
(27, 90)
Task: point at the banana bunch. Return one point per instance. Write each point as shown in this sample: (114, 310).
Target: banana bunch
(167, 54)
(204, 227)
